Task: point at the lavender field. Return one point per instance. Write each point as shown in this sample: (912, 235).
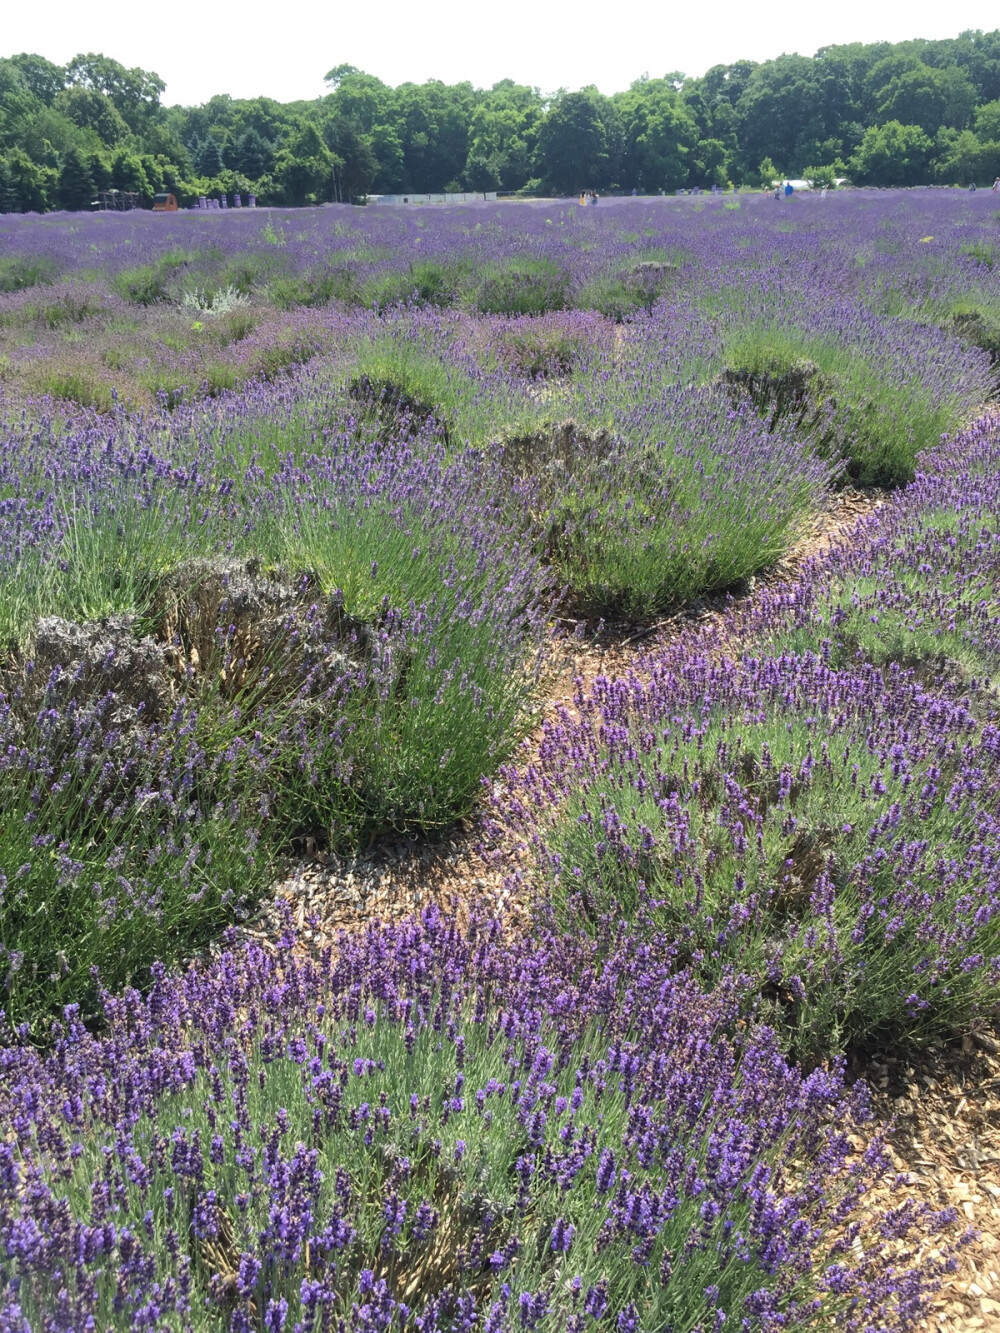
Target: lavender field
(301, 516)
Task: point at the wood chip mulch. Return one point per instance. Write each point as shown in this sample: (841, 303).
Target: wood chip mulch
(946, 1112)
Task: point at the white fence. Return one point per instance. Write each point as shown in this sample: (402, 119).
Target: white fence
(466, 197)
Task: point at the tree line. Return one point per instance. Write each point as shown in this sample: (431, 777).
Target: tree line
(906, 113)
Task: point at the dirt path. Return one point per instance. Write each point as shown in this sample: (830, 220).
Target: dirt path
(400, 877)
(947, 1141)
(946, 1110)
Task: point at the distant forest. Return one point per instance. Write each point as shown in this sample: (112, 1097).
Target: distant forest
(905, 113)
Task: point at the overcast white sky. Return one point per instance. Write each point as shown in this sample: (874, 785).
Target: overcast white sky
(283, 50)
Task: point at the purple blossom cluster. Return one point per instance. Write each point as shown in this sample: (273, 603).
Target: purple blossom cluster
(820, 807)
(287, 502)
(440, 1129)
(893, 244)
(916, 583)
(222, 650)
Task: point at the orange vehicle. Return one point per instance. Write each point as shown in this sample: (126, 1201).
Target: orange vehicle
(165, 203)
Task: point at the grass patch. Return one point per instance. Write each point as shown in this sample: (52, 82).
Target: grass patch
(422, 283)
(985, 253)
(837, 393)
(318, 287)
(521, 287)
(17, 273)
(80, 384)
(149, 284)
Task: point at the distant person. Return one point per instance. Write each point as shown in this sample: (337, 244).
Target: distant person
(594, 198)
(788, 189)
(972, 188)
(633, 191)
(824, 192)
(777, 192)
(996, 186)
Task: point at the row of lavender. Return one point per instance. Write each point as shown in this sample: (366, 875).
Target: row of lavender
(847, 233)
(809, 792)
(319, 609)
(163, 310)
(434, 1129)
(437, 1128)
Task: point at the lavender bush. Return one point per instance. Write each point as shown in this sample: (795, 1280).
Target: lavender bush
(697, 496)
(877, 393)
(820, 807)
(440, 1130)
(830, 831)
(198, 659)
(916, 585)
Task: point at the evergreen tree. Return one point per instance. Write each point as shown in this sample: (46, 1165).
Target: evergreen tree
(8, 194)
(253, 155)
(75, 189)
(208, 158)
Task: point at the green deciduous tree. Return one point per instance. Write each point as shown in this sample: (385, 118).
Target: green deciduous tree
(128, 173)
(388, 150)
(659, 133)
(361, 98)
(988, 122)
(892, 154)
(821, 177)
(135, 92)
(781, 113)
(8, 195)
(708, 164)
(18, 104)
(573, 150)
(930, 98)
(433, 126)
(962, 158)
(767, 173)
(43, 79)
(353, 150)
(503, 134)
(89, 109)
(32, 188)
